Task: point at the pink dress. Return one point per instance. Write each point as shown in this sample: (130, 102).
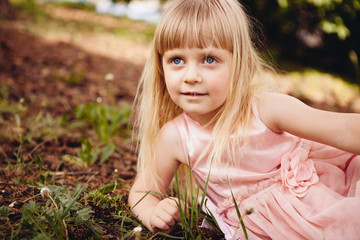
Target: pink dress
(301, 189)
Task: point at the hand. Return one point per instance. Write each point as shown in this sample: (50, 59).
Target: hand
(164, 216)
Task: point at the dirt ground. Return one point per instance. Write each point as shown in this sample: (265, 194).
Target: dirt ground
(29, 67)
(32, 69)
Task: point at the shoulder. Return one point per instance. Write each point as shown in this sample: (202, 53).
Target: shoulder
(168, 141)
(267, 108)
(169, 133)
(283, 113)
(275, 109)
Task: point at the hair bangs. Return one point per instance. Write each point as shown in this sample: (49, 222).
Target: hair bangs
(194, 24)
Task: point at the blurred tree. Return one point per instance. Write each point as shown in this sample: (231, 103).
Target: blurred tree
(323, 33)
(6, 11)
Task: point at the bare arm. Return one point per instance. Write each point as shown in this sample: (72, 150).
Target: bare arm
(158, 214)
(284, 113)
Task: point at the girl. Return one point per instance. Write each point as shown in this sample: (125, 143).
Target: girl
(202, 97)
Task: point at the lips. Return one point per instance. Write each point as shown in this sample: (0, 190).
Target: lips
(193, 94)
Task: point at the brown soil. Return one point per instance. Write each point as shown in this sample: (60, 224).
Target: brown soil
(34, 70)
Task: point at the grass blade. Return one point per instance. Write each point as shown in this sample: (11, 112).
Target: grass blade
(203, 197)
(239, 215)
(215, 225)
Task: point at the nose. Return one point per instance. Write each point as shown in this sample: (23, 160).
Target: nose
(192, 74)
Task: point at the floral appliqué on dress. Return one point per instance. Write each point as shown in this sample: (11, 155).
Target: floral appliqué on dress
(298, 172)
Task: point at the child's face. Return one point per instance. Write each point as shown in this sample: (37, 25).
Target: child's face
(198, 80)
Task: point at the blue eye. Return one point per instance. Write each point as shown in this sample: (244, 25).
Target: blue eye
(177, 61)
(209, 60)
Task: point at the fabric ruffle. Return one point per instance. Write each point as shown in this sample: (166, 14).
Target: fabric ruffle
(244, 193)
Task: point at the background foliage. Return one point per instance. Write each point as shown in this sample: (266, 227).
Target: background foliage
(321, 33)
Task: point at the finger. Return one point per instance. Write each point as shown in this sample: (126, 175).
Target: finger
(159, 225)
(168, 219)
(166, 215)
(174, 214)
(173, 210)
(163, 218)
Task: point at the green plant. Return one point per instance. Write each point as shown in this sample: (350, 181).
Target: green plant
(18, 153)
(4, 92)
(105, 198)
(52, 219)
(88, 154)
(42, 129)
(73, 78)
(101, 197)
(5, 221)
(105, 120)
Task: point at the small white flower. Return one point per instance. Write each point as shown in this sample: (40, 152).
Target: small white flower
(249, 209)
(22, 100)
(11, 205)
(99, 99)
(44, 191)
(137, 229)
(115, 171)
(109, 77)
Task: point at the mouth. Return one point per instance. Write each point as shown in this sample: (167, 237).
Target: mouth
(193, 94)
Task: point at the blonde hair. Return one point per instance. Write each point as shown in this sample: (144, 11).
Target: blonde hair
(198, 24)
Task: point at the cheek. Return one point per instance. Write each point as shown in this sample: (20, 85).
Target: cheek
(221, 87)
(170, 84)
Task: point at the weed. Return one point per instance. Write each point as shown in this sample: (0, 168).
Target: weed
(105, 120)
(10, 108)
(24, 130)
(73, 78)
(101, 198)
(104, 198)
(5, 221)
(18, 154)
(87, 152)
(4, 92)
(52, 219)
